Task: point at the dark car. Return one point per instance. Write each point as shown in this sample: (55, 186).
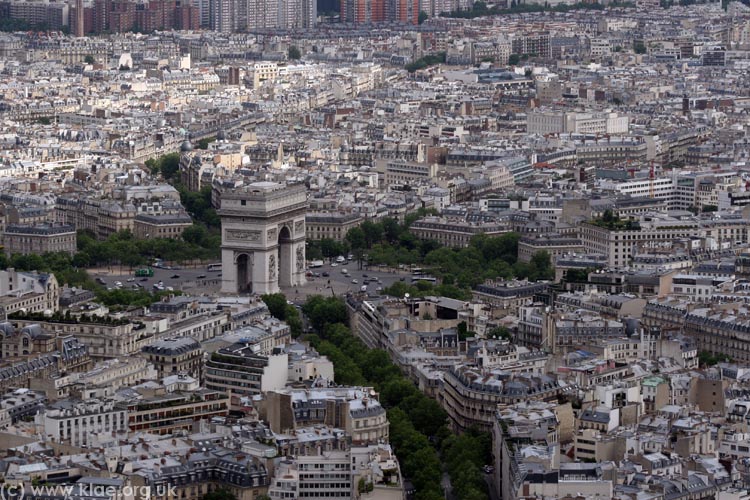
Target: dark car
(201, 276)
(326, 274)
(143, 279)
(402, 278)
(101, 281)
(364, 276)
(175, 276)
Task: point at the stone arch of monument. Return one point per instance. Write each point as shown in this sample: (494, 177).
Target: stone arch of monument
(263, 237)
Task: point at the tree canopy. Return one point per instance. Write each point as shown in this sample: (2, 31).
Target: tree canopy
(280, 309)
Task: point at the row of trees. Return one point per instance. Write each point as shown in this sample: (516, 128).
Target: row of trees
(464, 457)
(65, 268)
(390, 243)
(376, 239)
(418, 425)
(123, 249)
(425, 289)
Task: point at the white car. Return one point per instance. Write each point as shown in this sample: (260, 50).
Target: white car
(354, 281)
(344, 271)
(118, 283)
(334, 264)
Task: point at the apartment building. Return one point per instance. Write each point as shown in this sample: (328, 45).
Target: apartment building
(619, 244)
(39, 239)
(206, 471)
(471, 395)
(175, 355)
(28, 292)
(331, 225)
(556, 246)
(508, 295)
(76, 422)
(146, 226)
(239, 369)
(455, 232)
(161, 413)
(561, 122)
(356, 410)
(397, 172)
(104, 339)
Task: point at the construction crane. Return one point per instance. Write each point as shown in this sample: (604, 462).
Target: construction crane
(651, 180)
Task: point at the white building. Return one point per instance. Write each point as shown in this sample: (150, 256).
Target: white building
(76, 422)
(561, 122)
(321, 476)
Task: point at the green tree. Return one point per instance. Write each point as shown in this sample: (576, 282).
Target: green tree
(463, 331)
(423, 16)
(89, 59)
(203, 143)
(294, 54)
(169, 165)
(324, 311)
(373, 233)
(195, 234)
(331, 248)
(152, 165)
(276, 303)
(500, 332)
(356, 238)
(514, 59)
(294, 321)
(541, 266)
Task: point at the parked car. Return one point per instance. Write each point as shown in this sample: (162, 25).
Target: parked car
(354, 281)
(175, 276)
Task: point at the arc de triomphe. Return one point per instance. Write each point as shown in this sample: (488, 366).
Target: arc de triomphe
(262, 237)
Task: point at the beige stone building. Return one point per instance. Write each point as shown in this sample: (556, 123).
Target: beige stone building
(170, 226)
(39, 239)
(333, 225)
(455, 233)
(175, 355)
(29, 292)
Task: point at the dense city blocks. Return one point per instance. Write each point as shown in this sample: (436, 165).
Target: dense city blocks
(374, 250)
